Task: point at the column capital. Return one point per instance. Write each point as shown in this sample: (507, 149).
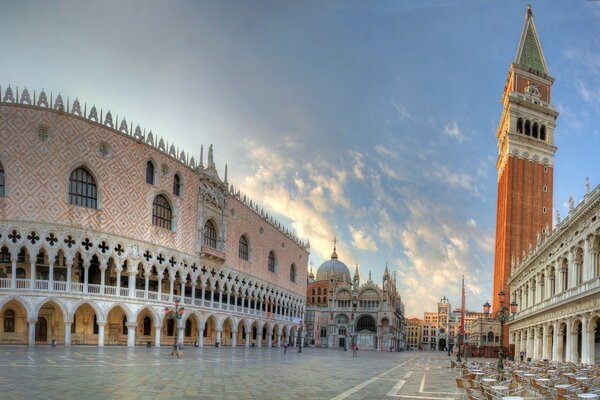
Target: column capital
(32, 320)
(131, 325)
(68, 322)
(101, 323)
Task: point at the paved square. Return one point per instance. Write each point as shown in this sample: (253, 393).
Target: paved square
(226, 373)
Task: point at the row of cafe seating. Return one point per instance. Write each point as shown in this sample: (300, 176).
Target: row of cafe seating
(481, 380)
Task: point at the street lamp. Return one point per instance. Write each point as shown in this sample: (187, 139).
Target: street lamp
(502, 316)
(175, 314)
(300, 339)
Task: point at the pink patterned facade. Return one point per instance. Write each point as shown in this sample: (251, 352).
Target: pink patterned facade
(110, 270)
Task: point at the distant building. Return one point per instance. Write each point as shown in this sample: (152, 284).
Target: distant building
(341, 311)
(414, 333)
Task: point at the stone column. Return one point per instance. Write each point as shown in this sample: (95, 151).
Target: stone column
(569, 342)
(68, 332)
(555, 341)
(233, 338)
(212, 295)
(586, 259)
(295, 340)
(220, 298)
(31, 338)
(571, 268)
(201, 336)
(545, 342)
(157, 335)
(536, 340)
(51, 272)
(13, 270)
(517, 344)
(269, 339)
(118, 290)
(132, 284)
(160, 278)
(194, 292)
(69, 261)
(32, 277)
(171, 283)
(131, 326)
(594, 263)
(180, 332)
(219, 333)
(584, 341)
(146, 283)
(86, 270)
(248, 333)
(103, 267)
(279, 340)
(203, 294)
(101, 333)
(182, 291)
(559, 276)
(259, 338)
(228, 298)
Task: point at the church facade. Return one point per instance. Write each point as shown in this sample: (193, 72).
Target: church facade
(341, 312)
(103, 226)
(552, 273)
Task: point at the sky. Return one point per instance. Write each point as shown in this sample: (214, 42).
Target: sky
(371, 121)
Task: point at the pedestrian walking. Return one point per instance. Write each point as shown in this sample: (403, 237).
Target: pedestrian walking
(354, 348)
(522, 354)
(285, 346)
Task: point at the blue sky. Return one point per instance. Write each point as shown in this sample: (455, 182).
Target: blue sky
(372, 121)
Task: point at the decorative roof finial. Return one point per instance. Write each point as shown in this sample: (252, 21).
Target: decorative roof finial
(201, 156)
(587, 185)
(225, 174)
(529, 11)
(211, 162)
(334, 255)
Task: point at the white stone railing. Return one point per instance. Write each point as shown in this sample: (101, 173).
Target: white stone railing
(42, 286)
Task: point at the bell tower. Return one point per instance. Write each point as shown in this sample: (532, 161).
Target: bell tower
(525, 157)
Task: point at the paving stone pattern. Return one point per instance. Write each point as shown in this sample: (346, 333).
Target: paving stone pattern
(228, 373)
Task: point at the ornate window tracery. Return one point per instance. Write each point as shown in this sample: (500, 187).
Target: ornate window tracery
(82, 188)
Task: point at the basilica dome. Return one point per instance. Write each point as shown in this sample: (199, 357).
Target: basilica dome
(334, 269)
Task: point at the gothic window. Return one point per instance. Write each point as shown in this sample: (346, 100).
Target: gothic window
(313, 290)
(319, 291)
(527, 128)
(161, 212)
(293, 273)
(271, 261)
(150, 173)
(2, 182)
(210, 235)
(323, 332)
(176, 185)
(243, 248)
(535, 130)
(4, 255)
(147, 326)
(318, 299)
(520, 125)
(125, 330)
(21, 273)
(82, 189)
(9, 321)
(543, 132)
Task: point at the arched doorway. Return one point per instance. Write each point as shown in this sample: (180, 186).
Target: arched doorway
(210, 331)
(41, 330)
(562, 342)
(550, 343)
(53, 316)
(342, 331)
(145, 327)
(366, 332)
(226, 334)
(84, 329)
(241, 333)
(442, 344)
(576, 337)
(115, 330)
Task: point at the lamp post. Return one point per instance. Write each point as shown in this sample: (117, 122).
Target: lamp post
(502, 316)
(175, 314)
(300, 339)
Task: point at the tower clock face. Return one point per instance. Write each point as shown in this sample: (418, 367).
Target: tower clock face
(442, 330)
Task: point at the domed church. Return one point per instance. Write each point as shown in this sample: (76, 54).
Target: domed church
(340, 311)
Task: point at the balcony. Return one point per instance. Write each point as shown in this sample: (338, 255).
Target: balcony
(80, 290)
(210, 253)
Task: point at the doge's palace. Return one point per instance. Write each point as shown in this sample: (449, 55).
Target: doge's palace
(104, 224)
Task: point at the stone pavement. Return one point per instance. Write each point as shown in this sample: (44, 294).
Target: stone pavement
(81, 372)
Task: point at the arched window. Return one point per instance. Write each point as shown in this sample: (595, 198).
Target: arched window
(535, 130)
(125, 330)
(243, 248)
(147, 326)
(490, 337)
(2, 181)
(210, 234)
(176, 185)
(150, 173)
(318, 299)
(527, 128)
(82, 189)
(319, 291)
(9, 321)
(313, 291)
(366, 323)
(293, 273)
(161, 212)
(271, 261)
(520, 125)
(543, 132)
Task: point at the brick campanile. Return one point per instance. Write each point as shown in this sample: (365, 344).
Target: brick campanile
(525, 158)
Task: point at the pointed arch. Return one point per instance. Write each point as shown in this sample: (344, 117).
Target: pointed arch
(55, 302)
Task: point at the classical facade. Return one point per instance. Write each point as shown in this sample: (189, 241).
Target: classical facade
(554, 274)
(340, 311)
(414, 331)
(525, 156)
(103, 225)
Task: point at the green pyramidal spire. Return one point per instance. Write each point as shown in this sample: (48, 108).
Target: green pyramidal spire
(529, 52)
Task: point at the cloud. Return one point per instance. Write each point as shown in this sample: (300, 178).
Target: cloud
(451, 129)
(401, 110)
(362, 240)
(358, 166)
(384, 151)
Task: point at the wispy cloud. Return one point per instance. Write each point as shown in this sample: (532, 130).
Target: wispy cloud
(400, 110)
(452, 130)
(361, 240)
